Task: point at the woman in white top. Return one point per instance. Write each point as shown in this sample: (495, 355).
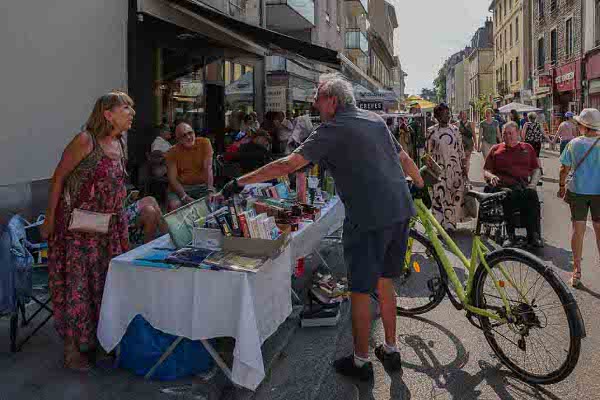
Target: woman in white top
(161, 143)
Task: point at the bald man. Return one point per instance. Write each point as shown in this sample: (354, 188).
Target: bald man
(189, 167)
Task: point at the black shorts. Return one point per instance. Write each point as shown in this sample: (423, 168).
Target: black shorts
(374, 254)
(582, 204)
(537, 146)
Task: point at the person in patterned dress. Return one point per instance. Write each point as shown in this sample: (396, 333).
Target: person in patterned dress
(90, 176)
(444, 144)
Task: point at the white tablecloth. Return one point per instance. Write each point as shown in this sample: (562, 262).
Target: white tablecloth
(199, 304)
(306, 240)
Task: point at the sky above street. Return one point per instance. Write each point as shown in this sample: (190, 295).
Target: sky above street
(431, 30)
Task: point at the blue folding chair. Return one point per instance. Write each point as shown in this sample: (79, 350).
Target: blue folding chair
(16, 282)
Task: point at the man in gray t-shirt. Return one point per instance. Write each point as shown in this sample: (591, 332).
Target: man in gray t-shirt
(368, 166)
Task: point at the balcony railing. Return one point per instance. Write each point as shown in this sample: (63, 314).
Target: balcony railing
(355, 39)
(306, 8)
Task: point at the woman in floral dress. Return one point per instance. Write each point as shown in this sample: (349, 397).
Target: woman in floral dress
(445, 145)
(90, 176)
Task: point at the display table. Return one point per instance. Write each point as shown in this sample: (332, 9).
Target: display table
(199, 304)
(202, 304)
(305, 241)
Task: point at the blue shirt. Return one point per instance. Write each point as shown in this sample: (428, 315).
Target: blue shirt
(587, 176)
(362, 156)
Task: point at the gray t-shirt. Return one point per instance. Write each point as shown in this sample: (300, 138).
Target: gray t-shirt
(362, 155)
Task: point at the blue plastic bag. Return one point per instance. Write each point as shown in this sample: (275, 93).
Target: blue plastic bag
(143, 345)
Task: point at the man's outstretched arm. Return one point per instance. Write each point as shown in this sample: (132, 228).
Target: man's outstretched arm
(275, 169)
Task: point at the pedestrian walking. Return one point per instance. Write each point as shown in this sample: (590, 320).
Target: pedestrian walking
(469, 139)
(581, 162)
(567, 131)
(533, 133)
(445, 145)
(489, 133)
(368, 166)
(90, 177)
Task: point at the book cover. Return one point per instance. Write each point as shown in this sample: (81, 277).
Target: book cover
(244, 225)
(235, 261)
(233, 219)
(188, 256)
(224, 224)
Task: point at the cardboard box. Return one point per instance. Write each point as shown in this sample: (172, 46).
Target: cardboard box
(256, 247)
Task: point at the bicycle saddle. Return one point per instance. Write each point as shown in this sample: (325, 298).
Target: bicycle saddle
(480, 196)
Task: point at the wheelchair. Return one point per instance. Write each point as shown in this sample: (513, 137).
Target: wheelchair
(494, 224)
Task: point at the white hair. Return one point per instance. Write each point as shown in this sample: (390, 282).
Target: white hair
(334, 85)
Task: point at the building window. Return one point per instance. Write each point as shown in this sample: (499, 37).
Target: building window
(511, 72)
(569, 37)
(499, 12)
(517, 67)
(540, 8)
(505, 8)
(553, 46)
(510, 42)
(553, 5)
(505, 73)
(541, 58)
(517, 30)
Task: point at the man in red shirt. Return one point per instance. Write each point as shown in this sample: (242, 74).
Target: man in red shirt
(513, 166)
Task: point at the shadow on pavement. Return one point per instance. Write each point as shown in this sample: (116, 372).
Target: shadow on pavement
(561, 258)
(460, 384)
(587, 290)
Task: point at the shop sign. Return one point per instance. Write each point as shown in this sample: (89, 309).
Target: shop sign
(276, 98)
(565, 77)
(371, 105)
(542, 84)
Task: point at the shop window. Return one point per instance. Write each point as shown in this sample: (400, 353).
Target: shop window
(227, 72)
(185, 100)
(541, 58)
(569, 37)
(239, 95)
(554, 46)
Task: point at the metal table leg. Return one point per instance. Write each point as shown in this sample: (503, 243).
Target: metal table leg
(164, 356)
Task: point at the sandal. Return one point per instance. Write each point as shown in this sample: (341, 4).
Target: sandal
(75, 360)
(575, 280)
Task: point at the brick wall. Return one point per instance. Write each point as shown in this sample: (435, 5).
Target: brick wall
(557, 20)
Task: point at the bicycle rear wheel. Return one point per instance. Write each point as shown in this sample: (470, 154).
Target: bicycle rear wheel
(541, 345)
(422, 285)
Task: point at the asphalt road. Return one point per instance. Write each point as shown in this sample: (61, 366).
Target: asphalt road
(445, 357)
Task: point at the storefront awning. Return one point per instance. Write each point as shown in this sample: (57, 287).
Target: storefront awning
(274, 42)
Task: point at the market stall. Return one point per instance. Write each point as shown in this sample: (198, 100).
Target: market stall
(202, 301)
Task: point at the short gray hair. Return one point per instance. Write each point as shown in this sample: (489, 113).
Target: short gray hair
(532, 117)
(510, 125)
(334, 85)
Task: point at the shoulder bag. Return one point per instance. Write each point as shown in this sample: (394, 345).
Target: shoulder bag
(91, 221)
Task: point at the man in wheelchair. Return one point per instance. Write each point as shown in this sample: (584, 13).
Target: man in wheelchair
(512, 166)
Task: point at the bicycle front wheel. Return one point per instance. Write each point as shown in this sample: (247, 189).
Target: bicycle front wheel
(542, 340)
(422, 285)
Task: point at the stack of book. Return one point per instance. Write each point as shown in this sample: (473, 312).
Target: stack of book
(327, 290)
(325, 298)
(232, 222)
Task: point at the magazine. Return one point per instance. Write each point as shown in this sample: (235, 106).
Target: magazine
(188, 256)
(234, 261)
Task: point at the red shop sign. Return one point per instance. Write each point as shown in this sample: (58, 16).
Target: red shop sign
(565, 77)
(593, 66)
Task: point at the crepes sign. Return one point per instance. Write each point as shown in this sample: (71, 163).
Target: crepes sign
(371, 105)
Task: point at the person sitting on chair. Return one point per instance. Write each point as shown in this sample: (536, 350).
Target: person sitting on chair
(513, 166)
(189, 167)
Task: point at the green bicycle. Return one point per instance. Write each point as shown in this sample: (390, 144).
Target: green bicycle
(528, 316)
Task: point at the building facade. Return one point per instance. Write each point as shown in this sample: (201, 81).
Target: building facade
(557, 43)
(512, 51)
(591, 53)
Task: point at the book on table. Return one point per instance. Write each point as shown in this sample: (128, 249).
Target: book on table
(234, 261)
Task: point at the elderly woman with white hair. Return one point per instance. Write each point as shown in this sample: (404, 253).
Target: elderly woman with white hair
(533, 133)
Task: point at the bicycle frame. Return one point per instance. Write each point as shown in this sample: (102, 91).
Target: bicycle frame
(434, 231)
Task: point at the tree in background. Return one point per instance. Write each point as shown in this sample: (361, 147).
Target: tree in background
(480, 105)
(429, 94)
(439, 85)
